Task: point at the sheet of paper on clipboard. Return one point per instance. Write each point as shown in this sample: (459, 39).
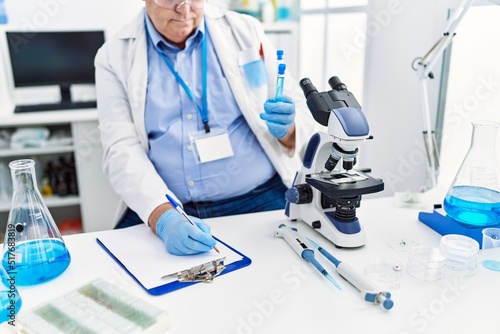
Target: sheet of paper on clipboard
(142, 254)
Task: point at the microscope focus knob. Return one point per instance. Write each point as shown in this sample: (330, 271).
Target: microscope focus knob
(299, 194)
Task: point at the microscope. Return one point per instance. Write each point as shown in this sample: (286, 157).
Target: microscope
(327, 190)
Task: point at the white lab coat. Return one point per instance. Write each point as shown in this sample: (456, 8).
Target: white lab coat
(121, 81)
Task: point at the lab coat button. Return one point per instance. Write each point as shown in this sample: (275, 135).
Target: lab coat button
(191, 183)
(189, 116)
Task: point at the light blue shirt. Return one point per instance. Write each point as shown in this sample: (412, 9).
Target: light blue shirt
(171, 115)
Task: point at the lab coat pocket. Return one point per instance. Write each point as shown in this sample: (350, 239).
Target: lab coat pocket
(253, 67)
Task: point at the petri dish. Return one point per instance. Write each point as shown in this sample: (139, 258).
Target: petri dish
(403, 243)
(385, 271)
(459, 247)
(461, 252)
(425, 263)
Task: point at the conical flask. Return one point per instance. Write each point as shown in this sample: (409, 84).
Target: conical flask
(473, 199)
(33, 251)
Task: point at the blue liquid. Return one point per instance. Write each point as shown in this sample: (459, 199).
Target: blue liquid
(279, 88)
(37, 261)
(10, 303)
(473, 206)
(3, 17)
(492, 265)
(283, 14)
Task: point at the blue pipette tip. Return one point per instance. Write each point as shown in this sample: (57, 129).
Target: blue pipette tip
(323, 251)
(313, 243)
(330, 278)
(308, 254)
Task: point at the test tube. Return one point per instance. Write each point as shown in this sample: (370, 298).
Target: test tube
(280, 81)
(279, 58)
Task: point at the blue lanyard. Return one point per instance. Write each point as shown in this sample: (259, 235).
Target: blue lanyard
(203, 109)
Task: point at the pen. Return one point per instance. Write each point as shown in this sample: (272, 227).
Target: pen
(182, 212)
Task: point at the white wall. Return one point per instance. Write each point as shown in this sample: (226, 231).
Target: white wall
(398, 32)
(474, 87)
(39, 15)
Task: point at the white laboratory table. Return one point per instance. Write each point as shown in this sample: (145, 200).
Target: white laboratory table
(281, 293)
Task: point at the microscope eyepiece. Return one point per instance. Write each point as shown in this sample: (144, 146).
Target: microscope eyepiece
(336, 84)
(307, 87)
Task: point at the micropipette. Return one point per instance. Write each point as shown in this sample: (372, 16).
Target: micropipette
(368, 291)
(294, 239)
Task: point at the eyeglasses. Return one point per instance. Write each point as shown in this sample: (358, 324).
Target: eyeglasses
(176, 4)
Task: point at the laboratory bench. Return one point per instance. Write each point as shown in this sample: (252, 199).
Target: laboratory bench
(279, 292)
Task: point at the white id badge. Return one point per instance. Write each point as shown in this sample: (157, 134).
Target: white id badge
(211, 146)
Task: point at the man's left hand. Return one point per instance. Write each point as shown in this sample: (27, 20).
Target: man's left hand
(279, 116)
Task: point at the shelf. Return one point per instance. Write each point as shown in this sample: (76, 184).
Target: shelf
(51, 202)
(280, 26)
(96, 202)
(48, 117)
(36, 151)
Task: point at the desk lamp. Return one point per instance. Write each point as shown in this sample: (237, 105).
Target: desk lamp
(438, 220)
(423, 66)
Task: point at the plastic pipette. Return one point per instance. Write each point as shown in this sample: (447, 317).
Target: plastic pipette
(296, 241)
(368, 291)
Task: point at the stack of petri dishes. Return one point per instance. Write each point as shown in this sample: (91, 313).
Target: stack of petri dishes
(462, 254)
(425, 263)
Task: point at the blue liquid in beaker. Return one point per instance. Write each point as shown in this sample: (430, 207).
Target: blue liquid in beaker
(492, 265)
(473, 206)
(37, 261)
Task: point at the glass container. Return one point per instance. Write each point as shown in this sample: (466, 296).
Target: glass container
(33, 251)
(473, 199)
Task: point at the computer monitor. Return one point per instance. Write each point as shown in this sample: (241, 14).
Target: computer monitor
(53, 58)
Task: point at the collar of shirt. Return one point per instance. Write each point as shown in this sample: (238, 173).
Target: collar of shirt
(166, 47)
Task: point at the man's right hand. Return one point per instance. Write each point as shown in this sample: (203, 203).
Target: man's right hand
(182, 238)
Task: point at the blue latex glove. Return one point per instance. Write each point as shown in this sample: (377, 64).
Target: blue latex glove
(279, 116)
(182, 238)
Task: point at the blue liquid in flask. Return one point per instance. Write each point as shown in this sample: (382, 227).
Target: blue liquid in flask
(473, 206)
(37, 261)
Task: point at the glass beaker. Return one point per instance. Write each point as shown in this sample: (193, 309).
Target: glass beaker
(474, 196)
(10, 300)
(33, 251)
